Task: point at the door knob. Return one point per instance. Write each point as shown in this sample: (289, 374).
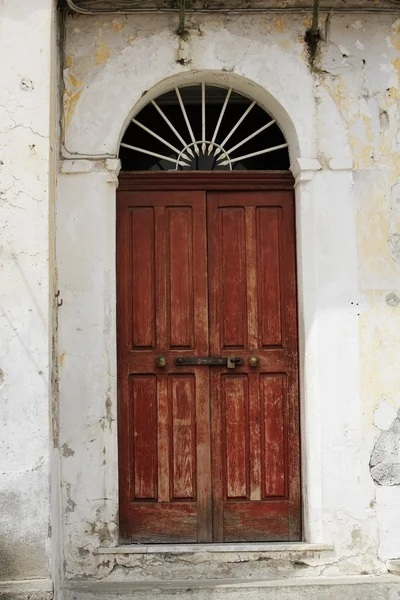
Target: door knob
(253, 361)
(161, 361)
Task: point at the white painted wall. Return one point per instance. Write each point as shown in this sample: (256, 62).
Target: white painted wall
(344, 114)
(25, 47)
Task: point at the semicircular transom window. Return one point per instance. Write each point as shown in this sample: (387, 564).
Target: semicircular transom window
(203, 128)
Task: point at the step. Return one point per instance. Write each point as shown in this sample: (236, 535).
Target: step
(217, 561)
(386, 587)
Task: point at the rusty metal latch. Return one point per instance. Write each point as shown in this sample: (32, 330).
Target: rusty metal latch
(212, 361)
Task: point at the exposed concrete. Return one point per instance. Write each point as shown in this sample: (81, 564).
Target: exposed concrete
(385, 458)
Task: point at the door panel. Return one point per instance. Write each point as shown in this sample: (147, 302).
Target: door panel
(254, 410)
(164, 431)
(207, 453)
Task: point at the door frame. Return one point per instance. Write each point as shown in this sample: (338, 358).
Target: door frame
(205, 180)
(211, 181)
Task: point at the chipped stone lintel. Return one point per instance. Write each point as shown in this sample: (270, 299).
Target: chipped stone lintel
(341, 164)
(304, 169)
(84, 165)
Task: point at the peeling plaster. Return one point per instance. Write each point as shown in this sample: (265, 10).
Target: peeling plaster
(385, 457)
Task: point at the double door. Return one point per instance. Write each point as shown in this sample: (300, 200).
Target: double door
(207, 365)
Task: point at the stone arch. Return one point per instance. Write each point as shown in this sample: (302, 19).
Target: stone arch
(240, 84)
(112, 93)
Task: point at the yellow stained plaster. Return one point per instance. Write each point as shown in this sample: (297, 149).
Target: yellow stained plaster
(372, 225)
(396, 65)
(117, 25)
(265, 25)
(70, 100)
(352, 113)
(379, 325)
(102, 54)
(69, 61)
(280, 25)
(379, 342)
(395, 38)
(74, 81)
(131, 38)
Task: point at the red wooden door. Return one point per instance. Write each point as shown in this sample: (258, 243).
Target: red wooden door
(254, 409)
(164, 429)
(207, 453)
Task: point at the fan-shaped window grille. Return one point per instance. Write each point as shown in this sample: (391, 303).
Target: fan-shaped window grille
(203, 128)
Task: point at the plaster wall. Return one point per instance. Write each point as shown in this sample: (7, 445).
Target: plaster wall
(341, 119)
(26, 31)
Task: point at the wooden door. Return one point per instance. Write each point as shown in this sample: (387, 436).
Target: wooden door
(164, 429)
(207, 453)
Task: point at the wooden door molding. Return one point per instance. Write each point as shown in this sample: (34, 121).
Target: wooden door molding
(204, 180)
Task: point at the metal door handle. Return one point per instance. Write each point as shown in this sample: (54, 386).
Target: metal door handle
(161, 361)
(212, 361)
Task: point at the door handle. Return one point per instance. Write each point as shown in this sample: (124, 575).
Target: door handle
(211, 361)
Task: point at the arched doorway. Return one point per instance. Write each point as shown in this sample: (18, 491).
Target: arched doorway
(203, 128)
(207, 323)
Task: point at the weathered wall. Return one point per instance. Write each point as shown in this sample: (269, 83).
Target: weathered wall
(344, 108)
(25, 154)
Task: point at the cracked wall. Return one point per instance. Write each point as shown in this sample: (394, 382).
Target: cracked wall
(345, 112)
(25, 41)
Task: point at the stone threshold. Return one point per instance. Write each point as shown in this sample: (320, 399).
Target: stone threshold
(201, 548)
(26, 585)
(125, 586)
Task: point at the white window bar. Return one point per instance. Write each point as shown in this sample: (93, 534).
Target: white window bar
(178, 135)
(219, 120)
(172, 160)
(203, 117)
(249, 137)
(232, 131)
(158, 137)
(233, 160)
(196, 148)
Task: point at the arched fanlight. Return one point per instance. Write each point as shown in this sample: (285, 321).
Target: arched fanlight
(194, 144)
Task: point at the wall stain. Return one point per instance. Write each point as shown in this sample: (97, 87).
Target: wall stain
(102, 54)
(67, 451)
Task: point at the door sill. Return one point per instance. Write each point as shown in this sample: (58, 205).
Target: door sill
(238, 547)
